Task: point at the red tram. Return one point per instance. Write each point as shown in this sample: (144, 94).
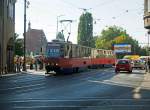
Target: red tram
(67, 57)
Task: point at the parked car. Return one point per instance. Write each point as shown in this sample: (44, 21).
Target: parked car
(123, 65)
(139, 64)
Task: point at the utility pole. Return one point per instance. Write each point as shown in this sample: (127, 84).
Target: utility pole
(26, 4)
(24, 63)
(2, 41)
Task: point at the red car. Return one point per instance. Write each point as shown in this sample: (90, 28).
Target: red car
(123, 65)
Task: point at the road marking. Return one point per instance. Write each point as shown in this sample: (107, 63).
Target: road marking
(118, 83)
(137, 89)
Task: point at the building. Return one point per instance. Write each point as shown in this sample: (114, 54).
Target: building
(35, 41)
(7, 29)
(147, 14)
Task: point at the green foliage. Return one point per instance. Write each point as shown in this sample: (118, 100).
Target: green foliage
(115, 35)
(85, 29)
(93, 40)
(18, 45)
(60, 36)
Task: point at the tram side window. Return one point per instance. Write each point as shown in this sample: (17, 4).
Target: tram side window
(83, 52)
(89, 52)
(78, 51)
(86, 52)
(62, 51)
(104, 52)
(69, 51)
(74, 53)
(65, 50)
(101, 52)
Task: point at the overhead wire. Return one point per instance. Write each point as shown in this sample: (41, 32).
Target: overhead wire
(107, 2)
(103, 3)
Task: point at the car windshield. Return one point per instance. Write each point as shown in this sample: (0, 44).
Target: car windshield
(123, 62)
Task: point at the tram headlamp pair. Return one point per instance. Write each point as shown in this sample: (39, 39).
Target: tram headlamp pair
(54, 64)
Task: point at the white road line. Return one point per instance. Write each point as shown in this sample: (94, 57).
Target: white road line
(117, 83)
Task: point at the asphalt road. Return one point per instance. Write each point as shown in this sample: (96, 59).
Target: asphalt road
(91, 90)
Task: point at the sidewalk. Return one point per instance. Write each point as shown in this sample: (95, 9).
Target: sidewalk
(11, 74)
(38, 72)
(146, 82)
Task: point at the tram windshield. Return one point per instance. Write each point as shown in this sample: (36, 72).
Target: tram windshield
(53, 50)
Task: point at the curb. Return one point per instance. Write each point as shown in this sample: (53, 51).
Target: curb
(10, 74)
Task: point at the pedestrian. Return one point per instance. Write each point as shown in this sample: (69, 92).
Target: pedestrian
(148, 63)
(5, 69)
(15, 64)
(36, 63)
(18, 64)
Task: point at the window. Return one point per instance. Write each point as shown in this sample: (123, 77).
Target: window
(10, 5)
(148, 5)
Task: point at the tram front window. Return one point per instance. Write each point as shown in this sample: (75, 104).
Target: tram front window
(53, 52)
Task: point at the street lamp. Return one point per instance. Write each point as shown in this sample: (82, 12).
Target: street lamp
(57, 24)
(26, 4)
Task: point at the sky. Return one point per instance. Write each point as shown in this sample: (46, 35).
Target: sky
(43, 14)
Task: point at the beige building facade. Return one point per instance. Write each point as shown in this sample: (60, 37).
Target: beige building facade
(7, 30)
(147, 14)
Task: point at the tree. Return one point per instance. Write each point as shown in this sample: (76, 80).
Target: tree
(85, 29)
(60, 36)
(116, 35)
(18, 45)
(93, 40)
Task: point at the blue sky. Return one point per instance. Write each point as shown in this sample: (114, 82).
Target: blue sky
(43, 13)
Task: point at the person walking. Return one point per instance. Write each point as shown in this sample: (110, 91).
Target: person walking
(148, 63)
(18, 64)
(36, 64)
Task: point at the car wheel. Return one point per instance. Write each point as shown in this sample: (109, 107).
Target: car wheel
(130, 71)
